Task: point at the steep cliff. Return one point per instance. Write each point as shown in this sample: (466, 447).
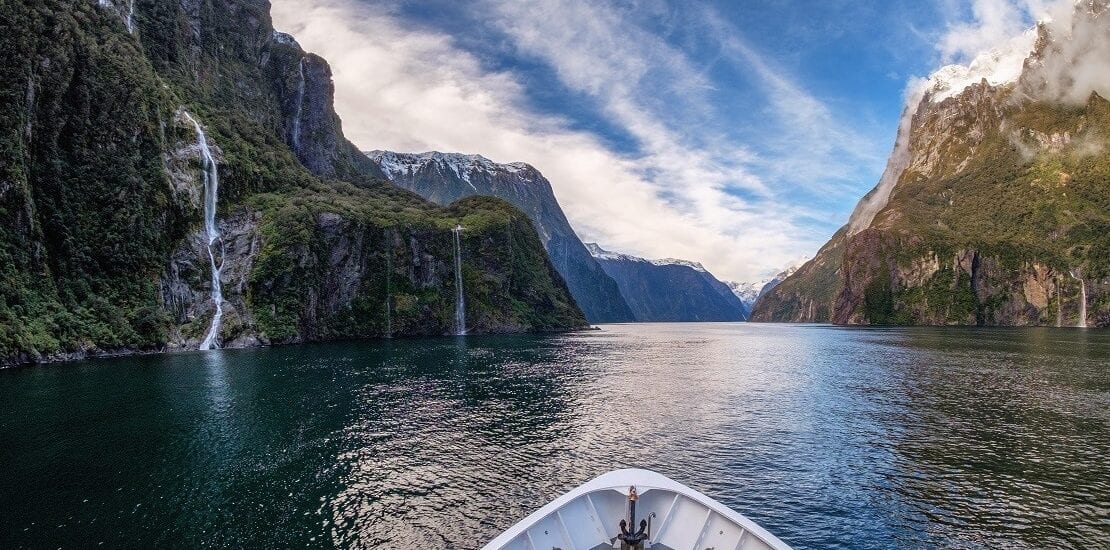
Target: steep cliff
(995, 207)
(302, 82)
(447, 177)
(105, 181)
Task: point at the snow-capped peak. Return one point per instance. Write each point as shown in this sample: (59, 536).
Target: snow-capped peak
(462, 165)
(675, 261)
(998, 66)
(596, 251)
(749, 292)
(792, 268)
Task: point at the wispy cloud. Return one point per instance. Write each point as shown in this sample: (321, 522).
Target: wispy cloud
(687, 191)
(815, 147)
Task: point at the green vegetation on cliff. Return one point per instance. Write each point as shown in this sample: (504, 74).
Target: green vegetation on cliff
(86, 213)
(998, 233)
(100, 197)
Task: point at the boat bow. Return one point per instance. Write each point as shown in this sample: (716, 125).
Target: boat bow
(637, 509)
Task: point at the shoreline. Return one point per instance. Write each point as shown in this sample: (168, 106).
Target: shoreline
(25, 360)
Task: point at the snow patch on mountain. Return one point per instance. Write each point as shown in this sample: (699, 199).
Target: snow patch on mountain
(998, 66)
(596, 251)
(462, 165)
(686, 263)
(602, 254)
(749, 292)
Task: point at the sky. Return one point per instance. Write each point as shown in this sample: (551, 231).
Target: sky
(736, 134)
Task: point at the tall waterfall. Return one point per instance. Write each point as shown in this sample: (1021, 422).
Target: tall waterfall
(1059, 304)
(460, 302)
(1077, 275)
(130, 16)
(296, 137)
(211, 187)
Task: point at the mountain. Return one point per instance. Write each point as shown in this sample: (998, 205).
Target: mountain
(750, 292)
(670, 289)
(747, 292)
(173, 175)
(994, 208)
(447, 177)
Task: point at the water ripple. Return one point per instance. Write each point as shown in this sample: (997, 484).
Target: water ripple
(831, 438)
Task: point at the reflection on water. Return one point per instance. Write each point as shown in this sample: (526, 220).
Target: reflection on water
(829, 437)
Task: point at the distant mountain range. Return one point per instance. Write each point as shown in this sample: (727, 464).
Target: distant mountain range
(747, 292)
(444, 178)
(752, 291)
(670, 289)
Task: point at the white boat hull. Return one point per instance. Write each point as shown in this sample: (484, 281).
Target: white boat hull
(588, 518)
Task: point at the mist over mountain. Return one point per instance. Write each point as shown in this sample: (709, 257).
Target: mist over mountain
(994, 208)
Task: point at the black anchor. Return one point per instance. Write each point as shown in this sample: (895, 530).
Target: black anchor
(630, 540)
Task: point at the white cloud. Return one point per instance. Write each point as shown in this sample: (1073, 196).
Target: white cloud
(993, 23)
(1000, 35)
(406, 89)
(816, 148)
(1078, 59)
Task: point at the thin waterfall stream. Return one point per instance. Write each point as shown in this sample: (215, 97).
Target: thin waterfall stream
(1059, 304)
(211, 177)
(1077, 275)
(130, 16)
(389, 287)
(296, 137)
(460, 301)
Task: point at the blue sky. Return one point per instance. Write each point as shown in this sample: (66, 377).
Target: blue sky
(737, 134)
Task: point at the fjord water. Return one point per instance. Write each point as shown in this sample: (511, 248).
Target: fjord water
(829, 437)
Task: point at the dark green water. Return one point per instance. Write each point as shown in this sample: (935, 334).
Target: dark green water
(830, 438)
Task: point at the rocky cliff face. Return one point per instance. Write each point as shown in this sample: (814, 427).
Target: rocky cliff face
(670, 290)
(447, 177)
(311, 128)
(102, 196)
(998, 211)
